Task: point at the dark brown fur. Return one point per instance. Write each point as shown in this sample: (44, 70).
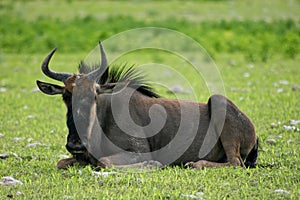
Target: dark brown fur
(236, 142)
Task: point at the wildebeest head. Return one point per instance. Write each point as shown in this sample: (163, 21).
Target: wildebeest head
(85, 87)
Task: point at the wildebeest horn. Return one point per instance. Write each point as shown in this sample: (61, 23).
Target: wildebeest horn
(55, 75)
(104, 64)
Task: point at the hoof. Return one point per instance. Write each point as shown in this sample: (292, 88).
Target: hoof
(196, 165)
(65, 163)
(189, 165)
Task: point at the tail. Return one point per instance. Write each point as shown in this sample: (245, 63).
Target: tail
(252, 156)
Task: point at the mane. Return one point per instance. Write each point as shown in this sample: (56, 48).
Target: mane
(122, 73)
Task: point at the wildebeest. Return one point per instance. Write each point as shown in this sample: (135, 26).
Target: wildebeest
(98, 120)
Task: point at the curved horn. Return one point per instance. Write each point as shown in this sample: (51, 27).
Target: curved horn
(55, 75)
(104, 62)
(94, 75)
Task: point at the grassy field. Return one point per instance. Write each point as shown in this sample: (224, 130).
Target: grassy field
(255, 45)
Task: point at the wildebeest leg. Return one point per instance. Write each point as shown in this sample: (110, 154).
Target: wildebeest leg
(151, 164)
(235, 161)
(128, 160)
(204, 163)
(65, 163)
(233, 156)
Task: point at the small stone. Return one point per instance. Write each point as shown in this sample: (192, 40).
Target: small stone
(283, 82)
(35, 89)
(281, 191)
(246, 75)
(279, 90)
(104, 174)
(278, 136)
(31, 116)
(68, 197)
(273, 125)
(271, 141)
(15, 155)
(16, 139)
(3, 89)
(4, 155)
(295, 87)
(294, 122)
(200, 193)
(19, 193)
(139, 180)
(251, 65)
(8, 181)
(289, 128)
(33, 145)
(191, 196)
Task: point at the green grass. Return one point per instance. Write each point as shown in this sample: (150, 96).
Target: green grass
(256, 50)
(197, 11)
(258, 37)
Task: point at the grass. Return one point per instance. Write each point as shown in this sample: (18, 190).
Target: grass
(267, 90)
(196, 11)
(258, 39)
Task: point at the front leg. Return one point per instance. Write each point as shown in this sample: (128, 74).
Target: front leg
(232, 151)
(128, 160)
(204, 164)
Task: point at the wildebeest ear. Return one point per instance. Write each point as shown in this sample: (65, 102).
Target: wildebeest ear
(49, 88)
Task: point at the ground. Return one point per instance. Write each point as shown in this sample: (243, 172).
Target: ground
(254, 44)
